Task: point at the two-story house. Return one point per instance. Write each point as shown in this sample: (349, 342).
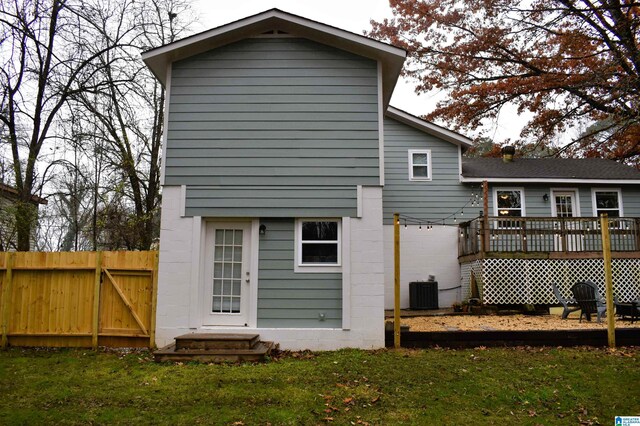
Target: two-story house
(283, 164)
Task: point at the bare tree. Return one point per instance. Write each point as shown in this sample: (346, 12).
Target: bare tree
(45, 59)
(129, 109)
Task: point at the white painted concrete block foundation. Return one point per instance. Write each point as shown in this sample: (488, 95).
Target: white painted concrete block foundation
(423, 253)
(178, 311)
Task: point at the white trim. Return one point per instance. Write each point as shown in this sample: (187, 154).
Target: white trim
(165, 125)
(459, 163)
(183, 200)
(253, 268)
(428, 127)
(380, 125)
(195, 289)
(227, 320)
(346, 273)
(269, 15)
(315, 267)
(359, 201)
(551, 180)
(411, 165)
(594, 208)
(512, 188)
(576, 200)
(392, 57)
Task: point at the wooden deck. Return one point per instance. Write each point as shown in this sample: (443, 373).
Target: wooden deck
(545, 238)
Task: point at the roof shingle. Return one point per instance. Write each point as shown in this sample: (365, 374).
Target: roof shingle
(548, 168)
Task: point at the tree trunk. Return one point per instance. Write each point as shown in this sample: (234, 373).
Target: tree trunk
(26, 214)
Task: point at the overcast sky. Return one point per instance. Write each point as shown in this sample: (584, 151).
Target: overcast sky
(350, 15)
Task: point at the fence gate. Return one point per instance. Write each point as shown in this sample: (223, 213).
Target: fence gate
(82, 299)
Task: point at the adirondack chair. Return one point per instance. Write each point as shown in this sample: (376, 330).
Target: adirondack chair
(568, 304)
(588, 298)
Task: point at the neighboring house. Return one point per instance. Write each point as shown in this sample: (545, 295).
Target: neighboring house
(283, 164)
(8, 232)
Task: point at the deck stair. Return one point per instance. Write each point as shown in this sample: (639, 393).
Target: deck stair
(215, 347)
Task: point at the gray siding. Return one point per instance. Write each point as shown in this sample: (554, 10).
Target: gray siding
(288, 299)
(271, 112)
(444, 194)
(272, 201)
(536, 206)
(432, 200)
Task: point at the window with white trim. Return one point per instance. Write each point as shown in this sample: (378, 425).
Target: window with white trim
(607, 201)
(318, 243)
(419, 164)
(508, 202)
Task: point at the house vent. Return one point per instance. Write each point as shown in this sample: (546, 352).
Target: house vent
(507, 153)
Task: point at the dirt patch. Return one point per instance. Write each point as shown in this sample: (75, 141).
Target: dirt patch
(510, 322)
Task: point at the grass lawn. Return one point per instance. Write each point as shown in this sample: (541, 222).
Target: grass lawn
(523, 386)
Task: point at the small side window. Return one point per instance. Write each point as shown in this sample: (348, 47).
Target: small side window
(419, 164)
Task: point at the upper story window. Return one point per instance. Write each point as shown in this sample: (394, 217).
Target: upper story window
(607, 201)
(420, 164)
(318, 243)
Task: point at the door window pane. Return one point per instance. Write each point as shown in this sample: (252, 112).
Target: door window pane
(227, 271)
(564, 205)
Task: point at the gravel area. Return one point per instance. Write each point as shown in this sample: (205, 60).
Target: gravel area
(508, 322)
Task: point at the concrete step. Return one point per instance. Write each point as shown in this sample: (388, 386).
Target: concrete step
(256, 354)
(211, 341)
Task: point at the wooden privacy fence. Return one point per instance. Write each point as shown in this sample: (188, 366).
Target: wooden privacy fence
(83, 299)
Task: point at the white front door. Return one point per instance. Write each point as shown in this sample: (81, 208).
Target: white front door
(565, 206)
(227, 273)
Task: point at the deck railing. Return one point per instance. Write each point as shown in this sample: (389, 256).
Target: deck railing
(546, 234)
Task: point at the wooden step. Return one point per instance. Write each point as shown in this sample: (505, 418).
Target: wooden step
(211, 341)
(255, 354)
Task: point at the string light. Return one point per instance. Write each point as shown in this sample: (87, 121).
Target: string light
(473, 201)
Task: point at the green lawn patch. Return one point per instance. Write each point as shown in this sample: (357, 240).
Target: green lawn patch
(477, 386)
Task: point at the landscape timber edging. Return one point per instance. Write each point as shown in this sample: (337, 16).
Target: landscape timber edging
(493, 338)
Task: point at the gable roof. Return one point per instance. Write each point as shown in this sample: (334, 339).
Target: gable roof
(428, 127)
(588, 170)
(390, 57)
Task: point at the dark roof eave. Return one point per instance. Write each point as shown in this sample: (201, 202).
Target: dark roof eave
(11, 192)
(500, 179)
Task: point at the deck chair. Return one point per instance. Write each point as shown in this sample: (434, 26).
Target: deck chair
(568, 304)
(588, 298)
